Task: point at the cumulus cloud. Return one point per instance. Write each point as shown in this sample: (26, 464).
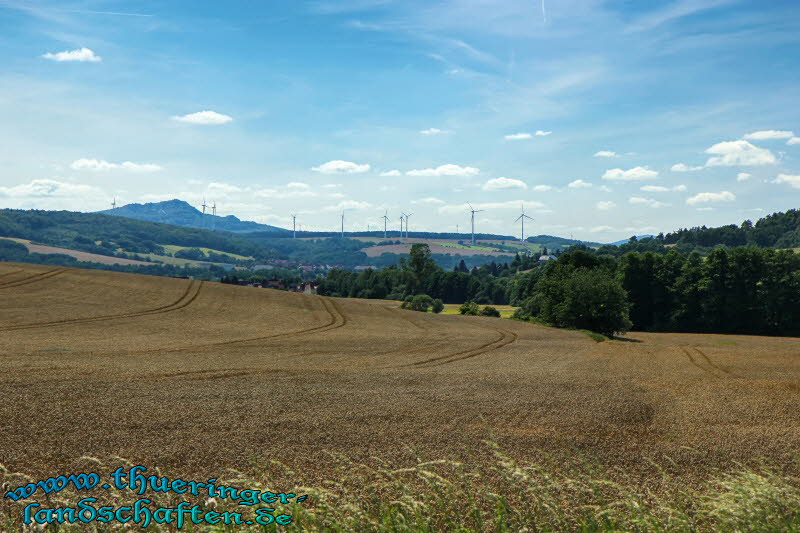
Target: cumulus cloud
(204, 118)
(349, 204)
(793, 140)
(793, 180)
(223, 187)
(445, 170)
(681, 167)
(741, 153)
(47, 188)
(540, 133)
(81, 54)
(578, 184)
(711, 197)
(605, 153)
(766, 135)
(99, 165)
(633, 174)
(542, 188)
(497, 184)
(297, 185)
(638, 200)
(331, 185)
(341, 167)
(518, 136)
(512, 204)
(431, 200)
(659, 188)
(599, 229)
(391, 173)
(434, 131)
(606, 206)
(743, 176)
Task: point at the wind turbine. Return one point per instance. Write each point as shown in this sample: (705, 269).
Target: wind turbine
(214, 214)
(294, 226)
(385, 220)
(407, 217)
(204, 205)
(401, 225)
(114, 203)
(522, 218)
(343, 210)
(473, 211)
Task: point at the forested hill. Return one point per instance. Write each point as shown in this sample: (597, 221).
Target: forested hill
(103, 234)
(778, 230)
(180, 213)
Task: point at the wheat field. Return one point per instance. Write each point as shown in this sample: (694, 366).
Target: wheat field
(197, 378)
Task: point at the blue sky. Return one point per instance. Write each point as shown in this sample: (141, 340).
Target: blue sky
(604, 118)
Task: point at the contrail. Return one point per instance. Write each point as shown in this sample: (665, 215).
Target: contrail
(544, 13)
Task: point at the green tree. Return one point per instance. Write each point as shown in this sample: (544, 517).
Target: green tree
(490, 311)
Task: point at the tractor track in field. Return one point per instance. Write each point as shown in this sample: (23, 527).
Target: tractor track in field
(694, 362)
(190, 295)
(32, 278)
(711, 363)
(337, 320)
(10, 273)
(505, 338)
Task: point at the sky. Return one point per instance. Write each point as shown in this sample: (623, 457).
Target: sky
(602, 119)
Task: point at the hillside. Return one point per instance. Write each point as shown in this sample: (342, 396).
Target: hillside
(180, 213)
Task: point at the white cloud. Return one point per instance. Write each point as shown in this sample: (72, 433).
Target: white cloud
(297, 185)
(606, 188)
(659, 188)
(204, 118)
(349, 204)
(434, 131)
(445, 170)
(497, 184)
(47, 188)
(578, 184)
(793, 180)
(638, 200)
(681, 167)
(82, 54)
(710, 197)
(542, 188)
(518, 136)
(769, 135)
(599, 229)
(605, 153)
(741, 153)
(511, 204)
(331, 185)
(743, 176)
(99, 164)
(223, 188)
(341, 167)
(540, 133)
(606, 206)
(431, 200)
(793, 140)
(635, 173)
(706, 208)
(391, 173)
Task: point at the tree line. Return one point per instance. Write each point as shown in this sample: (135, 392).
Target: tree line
(740, 290)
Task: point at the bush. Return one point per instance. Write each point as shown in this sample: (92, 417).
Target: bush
(490, 311)
(469, 309)
(407, 302)
(421, 302)
(437, 306)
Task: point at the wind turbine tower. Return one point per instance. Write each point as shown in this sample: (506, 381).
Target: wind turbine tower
(473, 211)
(114, 203)
(214, 215)
(407, 217)
(522, 218)
(342, 223)
(294, 226)
(401, 225)
(385, 221)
